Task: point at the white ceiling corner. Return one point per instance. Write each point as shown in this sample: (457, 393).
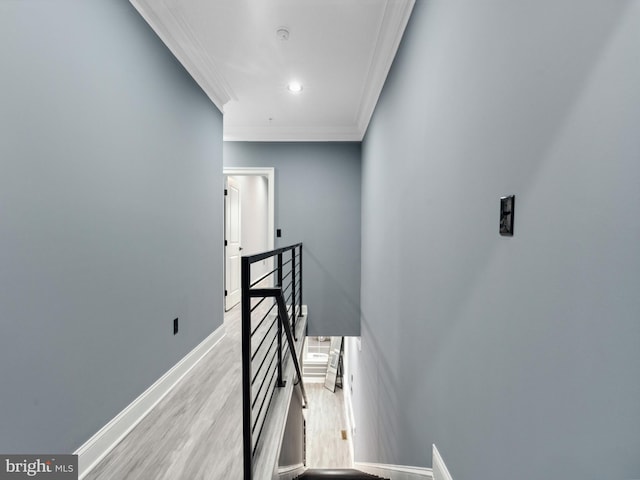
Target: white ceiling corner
(341, 50)
(184, 44)
(395, 21)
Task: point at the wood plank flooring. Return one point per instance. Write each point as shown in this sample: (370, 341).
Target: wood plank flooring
(195, 432)
(325, 420)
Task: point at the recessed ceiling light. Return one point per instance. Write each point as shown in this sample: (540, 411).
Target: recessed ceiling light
(294, 87)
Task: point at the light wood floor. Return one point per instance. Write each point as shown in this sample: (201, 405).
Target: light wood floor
(195, 432)
(325, 421)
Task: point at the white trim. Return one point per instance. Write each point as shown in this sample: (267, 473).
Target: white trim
(440, 470)
(174, 30)
(392, 27)
(268, 172)
(182, 41)
(100, 444)
(348, 399)
(247, 133)
(401, 472)
(290, 472)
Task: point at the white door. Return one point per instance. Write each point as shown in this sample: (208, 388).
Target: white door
(232, 244)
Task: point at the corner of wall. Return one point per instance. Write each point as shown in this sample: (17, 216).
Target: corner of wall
(440, 470)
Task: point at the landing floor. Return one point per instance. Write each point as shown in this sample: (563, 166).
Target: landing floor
(325, 421)
(195, 432)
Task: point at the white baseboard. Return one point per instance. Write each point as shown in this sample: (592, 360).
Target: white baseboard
(100, 444)
(440, 471)
(348, 399)
(290, 472)
(397, 472)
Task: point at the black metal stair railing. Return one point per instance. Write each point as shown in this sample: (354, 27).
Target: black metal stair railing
(271, 305)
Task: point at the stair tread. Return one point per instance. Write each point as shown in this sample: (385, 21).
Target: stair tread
(336, 474)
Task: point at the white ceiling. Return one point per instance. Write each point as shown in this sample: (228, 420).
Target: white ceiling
(339, 50)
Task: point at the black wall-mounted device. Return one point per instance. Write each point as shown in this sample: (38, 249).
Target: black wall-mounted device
(507, 205)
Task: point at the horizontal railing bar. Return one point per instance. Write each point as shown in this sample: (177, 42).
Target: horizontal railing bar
(262, 404)
(263, 277)
(263, 350)
(264, 315)
(284, 264)
(286, 290)
(257, 304)
(264, 292)
(285, 276)
(273, 391)
(263, 318)
(255, 352)
(253, 404)
(271, 253)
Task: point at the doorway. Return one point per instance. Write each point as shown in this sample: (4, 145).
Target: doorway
(232, 242)
(249, 224)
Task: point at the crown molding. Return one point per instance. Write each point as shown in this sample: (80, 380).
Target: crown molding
(174, 31)
(172, 27)
(395, 19)
(291, 134)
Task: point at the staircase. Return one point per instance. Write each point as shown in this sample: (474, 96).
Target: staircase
(336, 474)
(314, 367)
(316, 358)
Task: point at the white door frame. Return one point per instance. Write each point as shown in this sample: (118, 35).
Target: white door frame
(232, 245)
(269, 173)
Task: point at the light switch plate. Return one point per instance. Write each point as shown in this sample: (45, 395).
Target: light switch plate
(507, 205)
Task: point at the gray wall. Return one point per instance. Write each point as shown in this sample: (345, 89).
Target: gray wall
(317, 201)
(518, 357)
(110, 205)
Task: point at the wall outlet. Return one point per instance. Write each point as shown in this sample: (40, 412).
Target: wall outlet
(175, 326)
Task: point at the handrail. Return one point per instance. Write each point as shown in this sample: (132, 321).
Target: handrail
(271, 253)
(256, 404)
